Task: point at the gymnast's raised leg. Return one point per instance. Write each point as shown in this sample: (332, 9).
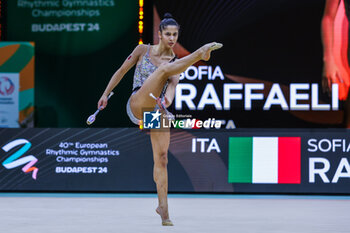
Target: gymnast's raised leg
(156, 81)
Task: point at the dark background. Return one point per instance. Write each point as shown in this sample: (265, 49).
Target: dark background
(271, 40)
(68, 87)
(276, 41)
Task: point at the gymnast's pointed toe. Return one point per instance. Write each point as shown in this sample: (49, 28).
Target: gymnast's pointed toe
(167, 222)
(216, 46)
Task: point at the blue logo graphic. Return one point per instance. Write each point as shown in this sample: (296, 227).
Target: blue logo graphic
(151, 120)
(15, 161)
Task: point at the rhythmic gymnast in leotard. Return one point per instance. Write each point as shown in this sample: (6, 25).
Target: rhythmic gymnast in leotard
(336, 63)
(155, 74)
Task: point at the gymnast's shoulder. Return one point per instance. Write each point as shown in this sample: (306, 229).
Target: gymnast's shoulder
(140, 49)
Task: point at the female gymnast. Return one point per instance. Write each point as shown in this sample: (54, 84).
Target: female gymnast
(336, 65)
(157, 72)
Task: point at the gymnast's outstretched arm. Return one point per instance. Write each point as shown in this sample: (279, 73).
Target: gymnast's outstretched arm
(131, 60)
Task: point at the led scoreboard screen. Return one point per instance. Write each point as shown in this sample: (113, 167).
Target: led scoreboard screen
(79, 44)
(269, 72)
(267, 75)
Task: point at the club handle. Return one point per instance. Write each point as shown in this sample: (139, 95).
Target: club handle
(91, 118)
(110, 94)
(162, 105)
(166, 110)
(108, 97)
(97, 111)
(151, 94)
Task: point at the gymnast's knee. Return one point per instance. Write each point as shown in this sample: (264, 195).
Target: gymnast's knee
(162, 160)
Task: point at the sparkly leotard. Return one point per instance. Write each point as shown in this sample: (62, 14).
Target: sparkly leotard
(142, 72)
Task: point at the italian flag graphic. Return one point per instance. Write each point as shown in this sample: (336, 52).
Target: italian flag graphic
(268, 160)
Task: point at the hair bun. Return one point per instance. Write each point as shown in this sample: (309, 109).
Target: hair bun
(168, 16)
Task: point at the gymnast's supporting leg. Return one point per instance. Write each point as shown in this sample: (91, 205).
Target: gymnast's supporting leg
(156, 81)
(160, 144)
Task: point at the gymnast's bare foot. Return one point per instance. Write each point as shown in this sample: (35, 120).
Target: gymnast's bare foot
(165, 216)
(206, 50)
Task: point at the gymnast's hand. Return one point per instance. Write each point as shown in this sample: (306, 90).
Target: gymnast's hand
(102, 103)
(330, 75)
(165, 102)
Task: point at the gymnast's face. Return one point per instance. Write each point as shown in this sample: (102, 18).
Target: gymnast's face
(169, 36)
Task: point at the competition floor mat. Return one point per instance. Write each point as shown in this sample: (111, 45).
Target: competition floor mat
(56, 212)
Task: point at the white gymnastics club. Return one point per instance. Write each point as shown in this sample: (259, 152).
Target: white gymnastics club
(169, 115)
(92, 118)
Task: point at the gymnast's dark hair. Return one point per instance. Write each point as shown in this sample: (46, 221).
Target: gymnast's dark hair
(168, 20)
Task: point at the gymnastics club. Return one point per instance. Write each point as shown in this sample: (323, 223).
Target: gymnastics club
(168, 114)
(92, 118)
